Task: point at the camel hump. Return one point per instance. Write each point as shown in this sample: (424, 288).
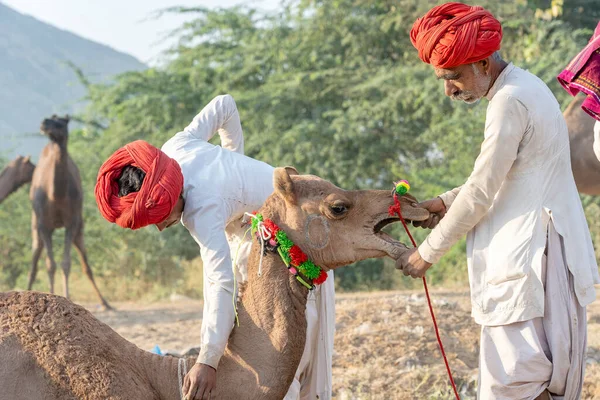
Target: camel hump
(33, 303)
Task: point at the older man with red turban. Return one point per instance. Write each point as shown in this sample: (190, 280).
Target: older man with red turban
(209, 188)
(531, 262)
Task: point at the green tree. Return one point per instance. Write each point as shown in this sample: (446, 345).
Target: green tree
(332, 87)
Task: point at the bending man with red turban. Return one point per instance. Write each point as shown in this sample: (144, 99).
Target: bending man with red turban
(209, 188)
(531, 262)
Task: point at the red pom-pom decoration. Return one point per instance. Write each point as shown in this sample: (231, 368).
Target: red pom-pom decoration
(297, 256)
(271, 227)
(321, 278)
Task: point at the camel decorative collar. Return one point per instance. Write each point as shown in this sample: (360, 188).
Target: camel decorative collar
(275, 240)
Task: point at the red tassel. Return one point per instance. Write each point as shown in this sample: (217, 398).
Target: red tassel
(395, 209)
(321, 278)
(297, 256)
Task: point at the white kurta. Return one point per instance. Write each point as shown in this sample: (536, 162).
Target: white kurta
(220, 185)
(521, 180)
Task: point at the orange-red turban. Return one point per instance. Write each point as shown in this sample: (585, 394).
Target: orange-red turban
(158, 195)
(453, 34)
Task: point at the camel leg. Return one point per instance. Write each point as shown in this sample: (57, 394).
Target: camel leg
(66, 263)
(37, 247)
(80, 246)
(50, 263)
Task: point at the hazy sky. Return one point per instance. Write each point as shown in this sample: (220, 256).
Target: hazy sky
(122, 24)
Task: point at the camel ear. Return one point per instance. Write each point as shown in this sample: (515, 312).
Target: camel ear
(67, 118)
(27, 159)
(291, 171)
(283, 184)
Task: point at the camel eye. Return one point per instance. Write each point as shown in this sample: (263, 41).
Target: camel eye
(338, 209)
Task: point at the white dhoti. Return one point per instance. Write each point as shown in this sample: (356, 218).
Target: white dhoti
(521, 360)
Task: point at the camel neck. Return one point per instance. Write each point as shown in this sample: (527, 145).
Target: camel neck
(271, 335)
(59, 163)
(274, 289)
(163, 374)
(8, 184)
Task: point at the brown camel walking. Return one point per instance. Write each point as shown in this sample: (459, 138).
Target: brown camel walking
(16, 173)
(52, 349)
(585, 165)
(57, 200)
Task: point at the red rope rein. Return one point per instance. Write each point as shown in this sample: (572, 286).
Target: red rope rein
(396, 209)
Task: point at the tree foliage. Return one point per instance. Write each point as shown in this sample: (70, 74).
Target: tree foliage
(332, 87)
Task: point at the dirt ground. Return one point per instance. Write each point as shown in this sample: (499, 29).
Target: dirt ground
(385, 346)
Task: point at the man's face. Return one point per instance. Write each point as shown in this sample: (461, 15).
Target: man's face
(173, 218)
(468, 82)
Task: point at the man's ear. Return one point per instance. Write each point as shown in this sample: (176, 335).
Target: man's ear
(485, 64)
(283, 184)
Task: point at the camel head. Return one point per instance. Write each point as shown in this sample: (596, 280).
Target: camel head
(337, 227)
(56, 128)
(17, 173)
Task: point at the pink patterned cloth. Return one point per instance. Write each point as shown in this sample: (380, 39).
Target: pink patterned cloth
(583, 75)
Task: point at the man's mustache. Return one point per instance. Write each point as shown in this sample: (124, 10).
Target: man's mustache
(462, 95)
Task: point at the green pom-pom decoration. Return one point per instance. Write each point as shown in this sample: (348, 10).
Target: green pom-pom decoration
(310, 270)
(257, 218)
(402, 187)
(284, 242)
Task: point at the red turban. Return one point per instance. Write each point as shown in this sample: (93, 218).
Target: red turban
(453, 34)
(158, 195)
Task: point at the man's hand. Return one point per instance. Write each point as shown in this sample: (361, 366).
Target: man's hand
(436, 207)
(199, 382)
(411, 263)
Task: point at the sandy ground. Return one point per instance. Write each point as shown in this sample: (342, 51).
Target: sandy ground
(385, 346)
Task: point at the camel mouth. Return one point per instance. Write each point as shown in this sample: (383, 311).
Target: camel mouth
(377, 230)
(387, 238)
(383, 223)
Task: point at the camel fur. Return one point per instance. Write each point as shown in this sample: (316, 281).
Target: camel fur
(52, 349)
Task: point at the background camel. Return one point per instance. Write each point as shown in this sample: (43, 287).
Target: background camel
(585, 165)
(52, 349)
(57, 200)
(17, 173)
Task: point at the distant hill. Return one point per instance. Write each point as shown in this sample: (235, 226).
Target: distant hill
(35, 80)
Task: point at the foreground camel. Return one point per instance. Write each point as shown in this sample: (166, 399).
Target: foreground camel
(57, 200)
(585, 165)
(16, 173)
(52, 349)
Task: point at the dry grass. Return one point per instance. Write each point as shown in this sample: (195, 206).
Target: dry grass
(385, 347)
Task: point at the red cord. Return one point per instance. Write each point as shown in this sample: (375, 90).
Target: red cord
(395, 209)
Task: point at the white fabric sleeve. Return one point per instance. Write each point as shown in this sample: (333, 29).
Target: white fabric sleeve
(449, 197)
(207, 226)
(506, 123)
(597, 139)
(219, 116)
